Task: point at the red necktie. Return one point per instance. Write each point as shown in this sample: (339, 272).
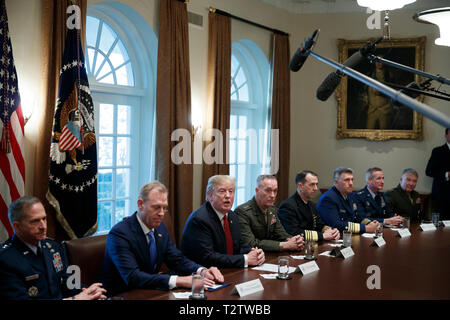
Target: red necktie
(229, 240)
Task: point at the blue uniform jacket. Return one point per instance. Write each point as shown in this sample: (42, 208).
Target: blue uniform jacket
(203, 239)
(339, 213)
(24, 275)
(127, 258)
(369, 209)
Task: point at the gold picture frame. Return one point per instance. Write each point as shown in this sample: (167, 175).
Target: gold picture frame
(364, 112)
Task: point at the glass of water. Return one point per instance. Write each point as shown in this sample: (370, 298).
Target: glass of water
(406, 223)
(347, 238)
(435, 218)
(283, 267)
(198, 291)
(379, 231)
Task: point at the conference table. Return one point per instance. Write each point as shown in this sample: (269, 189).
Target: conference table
(413, 267)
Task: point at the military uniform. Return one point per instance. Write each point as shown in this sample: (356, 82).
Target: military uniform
(403, 204)
(369, 208)
(341, 213)
(26, 275)
(301, 218)
(261, 229)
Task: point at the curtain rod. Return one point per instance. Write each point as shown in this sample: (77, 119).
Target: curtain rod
(218, 11)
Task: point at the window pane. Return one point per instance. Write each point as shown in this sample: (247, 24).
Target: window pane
(92, 26)
(242, 126)
(233, 151)
(234, 96)
(121, 210)
(106, 118)
(119, 54)
(234, 65)
(241, 175)
(240, 196)
(105, 151)
(98, 63)
(243, 93)
(242, 151)
(91, 53)
(123, 151)
(122, 183)
(233, 126)
(240, 78)
(109, 79)
(104, 186)
(123, 119)
(104, 215)
(124, 75)
(107, 38)
(106, 68)
(233, 170)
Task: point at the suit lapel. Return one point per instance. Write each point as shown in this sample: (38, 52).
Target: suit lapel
(217, 225)
(140, 240)
(301, 206)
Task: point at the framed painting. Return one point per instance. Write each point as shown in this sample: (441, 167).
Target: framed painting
(364, 112)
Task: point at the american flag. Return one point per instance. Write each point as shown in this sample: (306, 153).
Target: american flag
(12, 165)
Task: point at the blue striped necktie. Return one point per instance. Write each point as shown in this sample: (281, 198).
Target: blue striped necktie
(152, 246)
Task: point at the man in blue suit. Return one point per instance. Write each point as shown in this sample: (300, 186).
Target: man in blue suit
(337, 207)
(32, 266)
(212, 235)
(137, 246)
(371, 201)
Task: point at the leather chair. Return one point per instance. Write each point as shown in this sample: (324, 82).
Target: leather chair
(88, 254)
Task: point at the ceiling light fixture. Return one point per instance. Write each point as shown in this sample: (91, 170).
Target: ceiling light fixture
(380, 5)
(439, 17)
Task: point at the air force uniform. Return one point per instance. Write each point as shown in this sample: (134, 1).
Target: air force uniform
(370, 207)
(26, 274)
(340, 213)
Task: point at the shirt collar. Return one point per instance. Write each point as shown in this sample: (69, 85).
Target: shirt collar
(145, 229)
(448, 145)
(220, 215)
(32, 247)
(371, 193)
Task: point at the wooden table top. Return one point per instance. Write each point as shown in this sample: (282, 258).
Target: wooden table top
(416, 267)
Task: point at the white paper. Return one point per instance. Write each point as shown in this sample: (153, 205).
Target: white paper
(308, 267)
(368, 235)
(182, 295)
(340, 241)
(396, 229)
(214, 286)
(446, 223)
(248, 287)
(347, 252)
(335, 244)
(427, 227)
(269, 275)
(298, 257)
(380, 241)
(270, 267)
(326, 254)
(404, 233)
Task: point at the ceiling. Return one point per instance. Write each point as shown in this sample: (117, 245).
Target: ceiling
(336, 6)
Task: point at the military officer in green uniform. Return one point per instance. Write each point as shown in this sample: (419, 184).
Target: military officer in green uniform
(260, 226)
(33, 266)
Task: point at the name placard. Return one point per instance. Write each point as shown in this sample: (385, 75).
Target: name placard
(427, 227)
(347, 252)
(246, 288)
(307, 268)
(403, 233)
(446, 223)
(379, 242)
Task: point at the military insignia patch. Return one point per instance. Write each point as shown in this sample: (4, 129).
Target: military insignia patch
(355, 207)
(33, 291)
(57, 263)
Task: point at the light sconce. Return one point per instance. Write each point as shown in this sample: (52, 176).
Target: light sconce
(439, 17)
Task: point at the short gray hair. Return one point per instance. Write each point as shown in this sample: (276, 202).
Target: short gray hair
(410, 171)
(143, 193)
(216, 180)
(262, 177)
(16, 210)
(339, 171)
(370, 171)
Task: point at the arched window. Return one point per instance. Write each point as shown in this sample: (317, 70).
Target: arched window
(249, 118)
(117, 41)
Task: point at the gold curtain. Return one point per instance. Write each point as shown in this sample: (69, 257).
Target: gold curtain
(281, 103)
(173, 111)
(54, 29)
(219, 83)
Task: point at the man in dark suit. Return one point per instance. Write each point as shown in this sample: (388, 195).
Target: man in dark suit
(371, 201)
(212, 235)
(403, 199)
(137, 246)
(438, 168)
(298, 213)
(33, 266)
(337, 207)
(260, 226)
